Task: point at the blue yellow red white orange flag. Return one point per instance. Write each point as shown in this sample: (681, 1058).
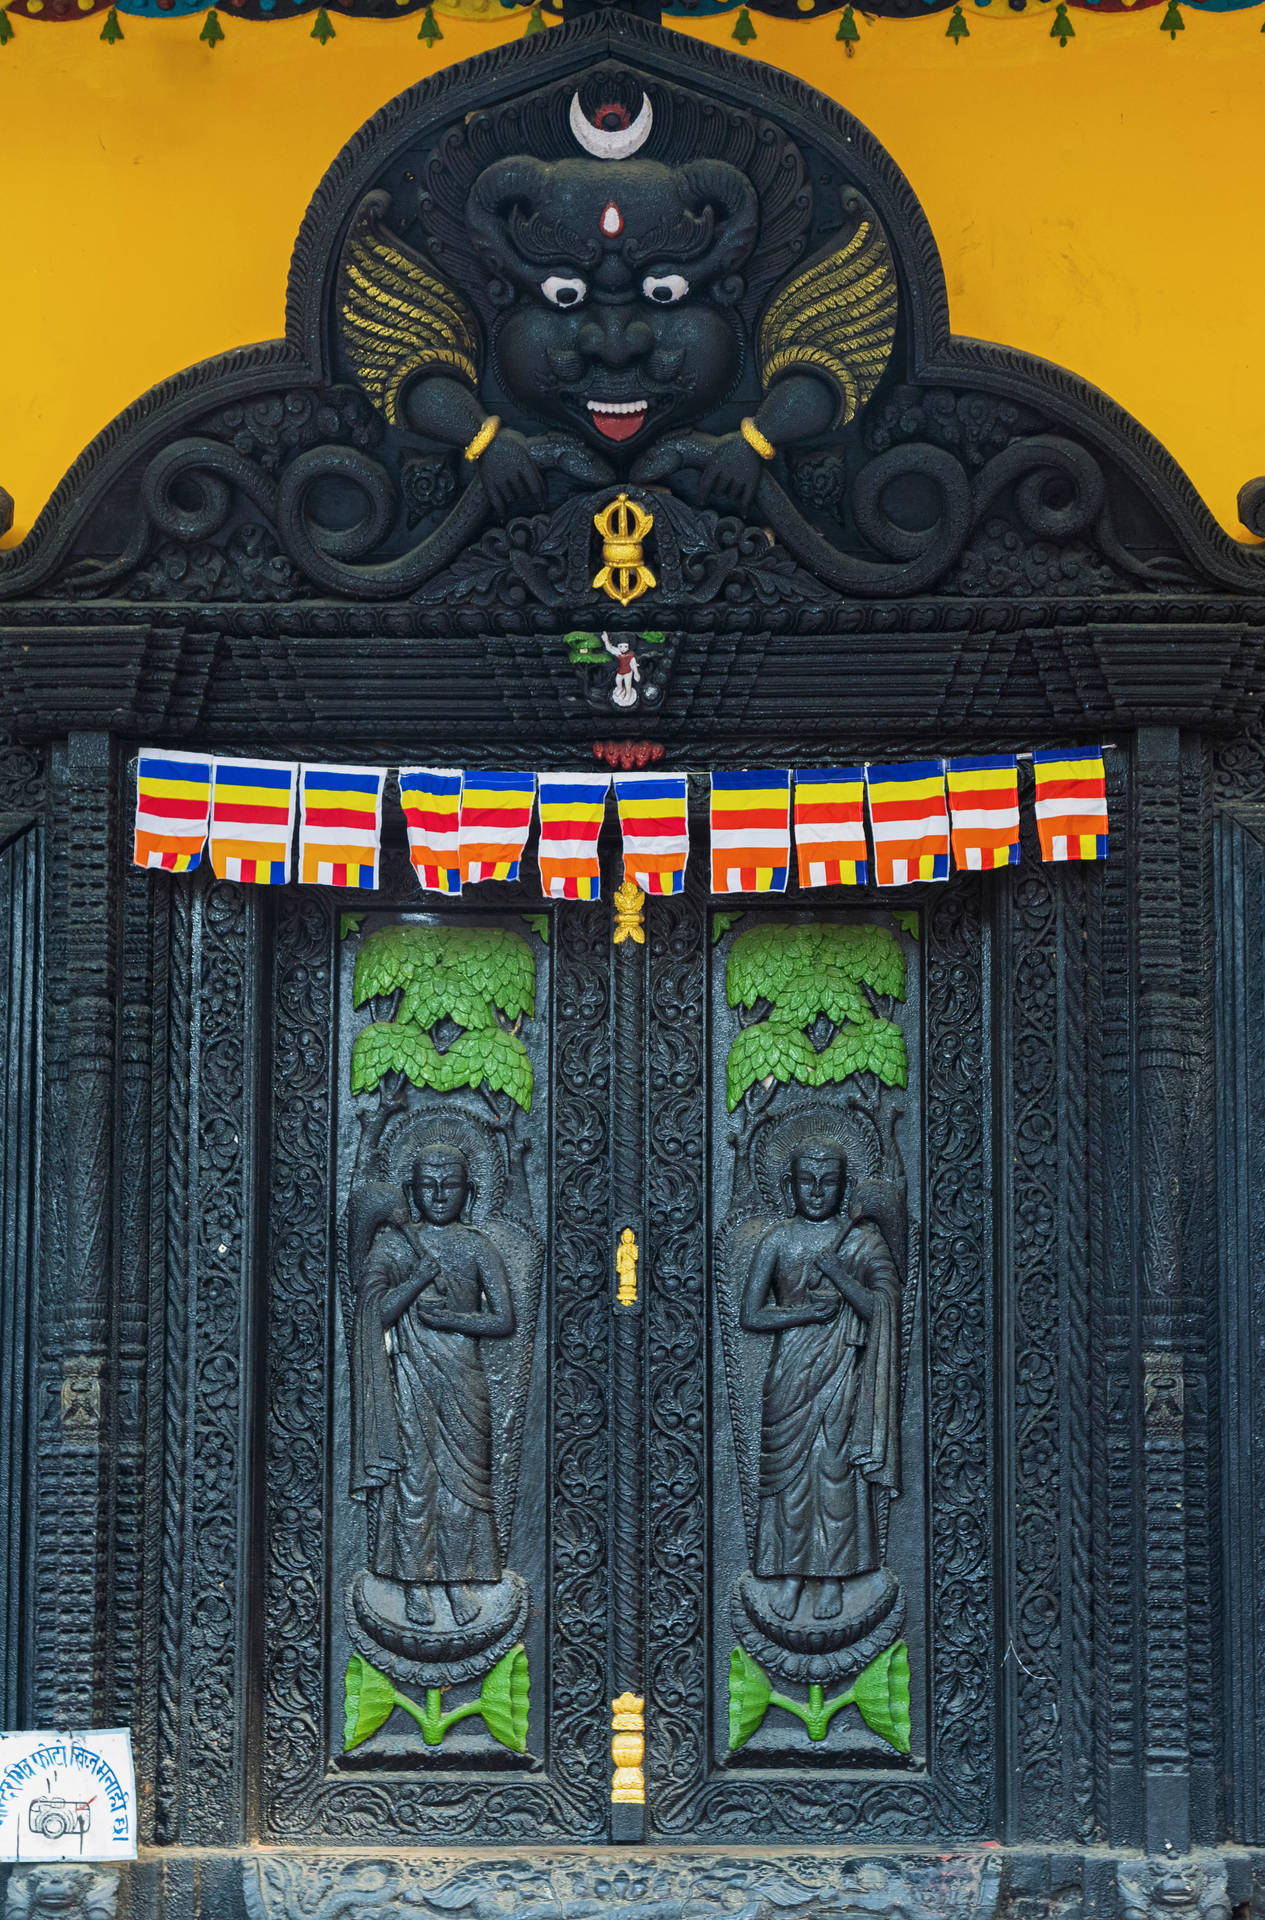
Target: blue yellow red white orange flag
(653, 816)
(572, 807)
(984, 810)
(173, 809)
(252, 820)
(1071, 804)
(496, 810)
(431, 799)
(830, 844)
(751, 831)
(340, 825)
(909, 822)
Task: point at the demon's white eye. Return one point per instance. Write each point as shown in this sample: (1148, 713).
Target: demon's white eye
(563, 292)
(664, 288)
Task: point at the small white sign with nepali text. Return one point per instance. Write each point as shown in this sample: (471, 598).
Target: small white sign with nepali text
(67, 1796)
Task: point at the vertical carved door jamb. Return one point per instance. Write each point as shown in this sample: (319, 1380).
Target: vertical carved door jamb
(628, 1159)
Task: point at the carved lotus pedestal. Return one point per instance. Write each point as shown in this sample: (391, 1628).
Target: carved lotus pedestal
(442, 1653)
(805, 1648)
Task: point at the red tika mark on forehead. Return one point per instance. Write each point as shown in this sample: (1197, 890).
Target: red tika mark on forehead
(612, 222)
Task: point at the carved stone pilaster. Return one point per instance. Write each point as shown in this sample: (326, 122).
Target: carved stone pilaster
(1173, 1086)
(76, 1390)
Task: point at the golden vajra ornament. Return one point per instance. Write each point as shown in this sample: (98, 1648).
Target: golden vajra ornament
(623, 526)
(629, 901)
(628, 1748)
(627, 1254)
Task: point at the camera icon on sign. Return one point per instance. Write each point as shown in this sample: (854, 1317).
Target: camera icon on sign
(53, 1818)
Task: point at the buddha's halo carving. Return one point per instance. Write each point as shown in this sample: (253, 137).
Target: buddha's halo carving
(443, 1265)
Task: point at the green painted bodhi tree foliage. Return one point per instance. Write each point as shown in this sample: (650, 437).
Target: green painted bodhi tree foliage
(827, 990)
(425, 981)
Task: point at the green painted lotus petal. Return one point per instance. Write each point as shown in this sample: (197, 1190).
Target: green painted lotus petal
(505, 1699)
(881, 1694)
(369, 1701)
(749, 1693)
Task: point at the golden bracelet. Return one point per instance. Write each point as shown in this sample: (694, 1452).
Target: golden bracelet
(754, 438)
(484, 437)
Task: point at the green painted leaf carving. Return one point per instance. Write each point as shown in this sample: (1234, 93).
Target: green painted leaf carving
(721, 923)
(389, 958)
(749, 1695)
(435, 993)
(585, 649)
(496, 962)
(863, 951)
(539, 924)
(368, 1701)
(765, 961)
(907, 919)
(505, 1699)
(387, 1046)
(877, 1046)
(774, 1048)
(487, 1054)
(881, 1694)
(820, 988)
(449, 966)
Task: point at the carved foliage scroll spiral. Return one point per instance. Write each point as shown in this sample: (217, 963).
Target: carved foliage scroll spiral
(959, 1409)
(297, 1362)
(1048, 1658)
(210, 1253)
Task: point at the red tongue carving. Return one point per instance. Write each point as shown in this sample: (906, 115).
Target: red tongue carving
(618, 426)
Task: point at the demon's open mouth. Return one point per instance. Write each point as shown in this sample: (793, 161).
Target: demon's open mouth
(617, 419)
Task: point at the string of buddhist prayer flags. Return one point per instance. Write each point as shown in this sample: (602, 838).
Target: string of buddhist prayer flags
(465, 827)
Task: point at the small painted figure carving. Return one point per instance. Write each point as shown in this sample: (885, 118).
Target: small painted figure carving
(627, 672)
(430, 1289)
(829, 1293)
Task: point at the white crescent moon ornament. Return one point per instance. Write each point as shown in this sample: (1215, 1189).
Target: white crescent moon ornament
(618, 144)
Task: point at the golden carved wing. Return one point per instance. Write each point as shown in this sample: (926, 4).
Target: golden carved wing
(837, 318)
(397, 315)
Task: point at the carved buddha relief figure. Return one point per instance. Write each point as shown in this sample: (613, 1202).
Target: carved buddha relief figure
(441, 1290)
(828, 1292)
(429, 1292)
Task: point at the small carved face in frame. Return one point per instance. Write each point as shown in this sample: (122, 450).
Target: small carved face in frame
(818, 1180)
(441, 1183)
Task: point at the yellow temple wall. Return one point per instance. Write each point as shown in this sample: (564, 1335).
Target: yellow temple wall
(1101, 204)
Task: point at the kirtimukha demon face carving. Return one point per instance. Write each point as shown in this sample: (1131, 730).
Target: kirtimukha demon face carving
(615, 264)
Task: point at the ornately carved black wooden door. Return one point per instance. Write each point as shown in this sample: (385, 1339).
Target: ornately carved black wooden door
(671, 1457)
